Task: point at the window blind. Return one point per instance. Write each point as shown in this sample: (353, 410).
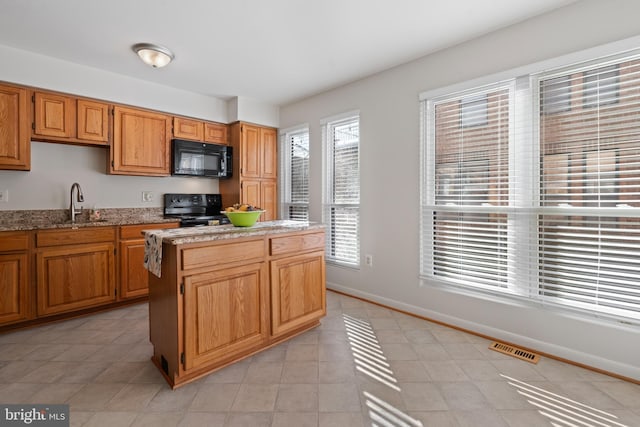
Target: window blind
(589, 233)
(295, 185)
(532, 188)
(342, 198)
(470, 140)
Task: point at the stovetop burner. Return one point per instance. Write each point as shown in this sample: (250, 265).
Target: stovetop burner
(194, 209)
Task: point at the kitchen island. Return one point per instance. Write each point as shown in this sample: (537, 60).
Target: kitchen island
(223, 293)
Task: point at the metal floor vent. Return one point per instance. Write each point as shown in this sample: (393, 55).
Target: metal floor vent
(515, 352)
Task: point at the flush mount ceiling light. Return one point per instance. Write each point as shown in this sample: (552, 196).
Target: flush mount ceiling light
(152, 54)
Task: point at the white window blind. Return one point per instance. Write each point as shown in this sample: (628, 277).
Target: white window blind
(342, 195)
(589, 232)
(532, 189)
(295, 174)
(470, 143)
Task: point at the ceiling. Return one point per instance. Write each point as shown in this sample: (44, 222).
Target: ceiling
(275, 51)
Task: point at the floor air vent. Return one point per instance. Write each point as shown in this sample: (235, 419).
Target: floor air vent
(515, 352)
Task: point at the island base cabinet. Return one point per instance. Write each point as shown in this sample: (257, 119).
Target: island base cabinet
(74, 278)
(239, 322)
(298, 292)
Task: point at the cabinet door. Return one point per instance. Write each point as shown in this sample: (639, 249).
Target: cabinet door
(55, 115)
(269, 200)
(13, 288)
(15, 135)
(140, 142)
(74, 277)
(225, 314)
(250, 192)
(269, 156)
(188, 129)
(250, 151)
(297, 291)
(134, 278)
(216, 133)
(93, 121)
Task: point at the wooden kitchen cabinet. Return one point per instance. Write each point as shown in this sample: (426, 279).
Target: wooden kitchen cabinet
(93, 121)
(188, 129)
(239, 322)
(75, 269)
(14, 277)
(141, 142)
(134, 277)
(215, 133)
(220, 300)
(15, 142)
(298, 293)
(256, 160)
(54, 115)
(197, 130)
(65, 118)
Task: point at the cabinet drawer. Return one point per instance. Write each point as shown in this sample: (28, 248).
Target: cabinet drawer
(14, 241)
(75, 237)
(135, 231)
(297, 243)
(222, 254)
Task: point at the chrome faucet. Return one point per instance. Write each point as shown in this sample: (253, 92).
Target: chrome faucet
(72, 208)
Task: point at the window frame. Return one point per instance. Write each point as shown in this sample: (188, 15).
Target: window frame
(329, 204)
(286, 171)
(527, 118)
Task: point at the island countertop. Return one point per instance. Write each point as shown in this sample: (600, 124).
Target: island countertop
(180, 236)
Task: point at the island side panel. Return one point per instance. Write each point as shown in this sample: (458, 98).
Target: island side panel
(165, 312)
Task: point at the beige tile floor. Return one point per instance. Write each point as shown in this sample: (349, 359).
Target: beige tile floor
(364, 366)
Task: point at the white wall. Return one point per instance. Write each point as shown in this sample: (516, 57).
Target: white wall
(390, 168)
(54, 167)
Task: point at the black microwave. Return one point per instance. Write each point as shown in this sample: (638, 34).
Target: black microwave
(191, 158)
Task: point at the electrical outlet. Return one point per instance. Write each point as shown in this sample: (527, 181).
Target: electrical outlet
(4, 196)
(368, 260)
(147, 196)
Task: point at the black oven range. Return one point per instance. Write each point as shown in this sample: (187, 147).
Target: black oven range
(194, 210)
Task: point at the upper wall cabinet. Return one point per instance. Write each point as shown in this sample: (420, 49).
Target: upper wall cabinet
(188, 129)
(15, 145)
(62, 118)
(197, 130)
(216, 133)
(141, 142)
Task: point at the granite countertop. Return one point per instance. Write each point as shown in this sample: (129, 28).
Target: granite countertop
(24, 220)
(180, 236)
(155, 239)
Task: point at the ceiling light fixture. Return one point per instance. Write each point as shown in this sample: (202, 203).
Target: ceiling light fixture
(152, 54)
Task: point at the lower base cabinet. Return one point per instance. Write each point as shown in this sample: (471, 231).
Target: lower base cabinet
(75, 277)
(134, 278)
(219, 301)
(15, 292)
(297, 291)
(13, 288)
(75, 269)
(239, 321)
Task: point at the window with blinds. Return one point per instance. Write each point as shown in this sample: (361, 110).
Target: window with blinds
(342, 196)
(470, 175)
(532, 188)
(588, 226)
(295, 174)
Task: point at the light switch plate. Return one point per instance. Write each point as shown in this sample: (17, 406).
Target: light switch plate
(147, 196)
(4, 196)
